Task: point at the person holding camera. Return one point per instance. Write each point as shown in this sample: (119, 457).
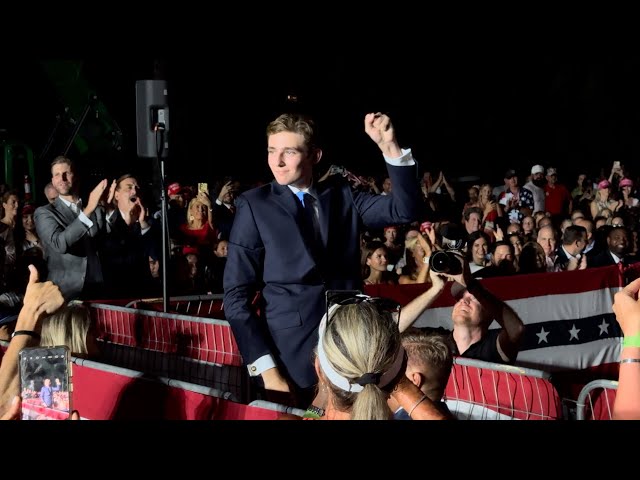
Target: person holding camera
(40, 298)
(224, 208)
(476, 308)
(472, 315)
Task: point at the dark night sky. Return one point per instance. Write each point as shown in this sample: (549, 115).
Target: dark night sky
(466, 115)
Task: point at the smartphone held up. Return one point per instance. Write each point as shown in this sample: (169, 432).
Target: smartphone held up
(45, 383)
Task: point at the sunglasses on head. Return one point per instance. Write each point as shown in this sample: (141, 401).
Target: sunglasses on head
(385, 306)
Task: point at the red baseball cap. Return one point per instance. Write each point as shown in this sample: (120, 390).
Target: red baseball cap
(626, 182)
(28, 209)
(425, 227)
(188, 249)
(174, 189)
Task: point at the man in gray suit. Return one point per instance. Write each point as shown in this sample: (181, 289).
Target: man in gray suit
(69, 231)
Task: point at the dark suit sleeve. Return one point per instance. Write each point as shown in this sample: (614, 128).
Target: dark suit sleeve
(603, 259)
(98, 220)
(55, 235)
(242, 279)
(402, 206)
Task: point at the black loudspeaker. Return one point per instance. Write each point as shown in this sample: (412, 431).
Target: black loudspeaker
(152, 118)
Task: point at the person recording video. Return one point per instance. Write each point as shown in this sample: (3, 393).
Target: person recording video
(476, 308)
(224, 208)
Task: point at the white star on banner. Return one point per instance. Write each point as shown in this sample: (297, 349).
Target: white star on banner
(574, 332)
(604, 327)
(542, 336)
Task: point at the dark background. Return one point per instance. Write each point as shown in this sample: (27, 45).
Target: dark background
(467, 115)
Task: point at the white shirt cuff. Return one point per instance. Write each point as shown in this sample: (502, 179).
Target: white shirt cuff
(145, 230)
(84, 219)
(406, 160)
(260, 365)
(218, 202)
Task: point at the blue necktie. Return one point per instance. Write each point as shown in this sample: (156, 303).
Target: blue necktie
(300, 196)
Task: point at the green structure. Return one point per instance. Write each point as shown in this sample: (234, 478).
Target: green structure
(17, 160)
(92, 128)
(83, 127)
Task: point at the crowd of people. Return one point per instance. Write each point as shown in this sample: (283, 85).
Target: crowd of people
(277, 250)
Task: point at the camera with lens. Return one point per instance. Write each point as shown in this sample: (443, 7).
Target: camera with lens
(445, 261)
(450, 259)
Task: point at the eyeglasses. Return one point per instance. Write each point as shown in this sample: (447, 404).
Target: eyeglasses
(385, 306)
(617, 225)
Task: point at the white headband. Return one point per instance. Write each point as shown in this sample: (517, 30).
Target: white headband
(343, 383)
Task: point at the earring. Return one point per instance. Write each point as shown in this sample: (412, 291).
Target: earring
(191, 218)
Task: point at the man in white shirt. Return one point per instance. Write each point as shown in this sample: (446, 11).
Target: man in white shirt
(69, 233)
(386, 186)
(616, 251)
(570, 254)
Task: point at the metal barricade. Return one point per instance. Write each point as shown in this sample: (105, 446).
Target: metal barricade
(181, 347)
(596, 399)
(206, 306)
(278, 407)
(106, 392)
(480, 390)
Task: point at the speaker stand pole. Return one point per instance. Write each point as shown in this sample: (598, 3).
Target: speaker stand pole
(159, 128)
(165, 238)
(152, 115)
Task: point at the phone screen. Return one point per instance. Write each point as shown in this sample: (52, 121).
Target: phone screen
(45, 383)
(203, 187)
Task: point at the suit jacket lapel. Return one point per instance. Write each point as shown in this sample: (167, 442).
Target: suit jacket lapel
(285, 198)
(64, 211)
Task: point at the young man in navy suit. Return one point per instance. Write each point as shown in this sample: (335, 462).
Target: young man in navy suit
(296, 238)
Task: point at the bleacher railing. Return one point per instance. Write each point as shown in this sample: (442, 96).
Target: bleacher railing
(596, 400)
(480, 390)
(177, 346)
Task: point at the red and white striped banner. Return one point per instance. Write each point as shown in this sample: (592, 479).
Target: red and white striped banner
(568, 315)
